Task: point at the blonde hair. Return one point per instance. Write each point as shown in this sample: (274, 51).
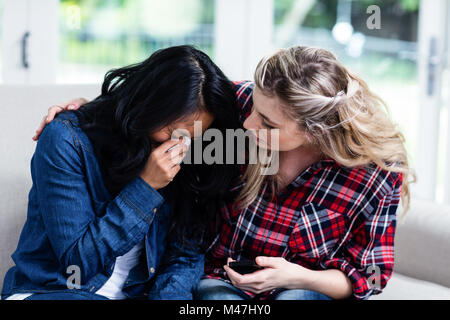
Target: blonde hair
(346, 121)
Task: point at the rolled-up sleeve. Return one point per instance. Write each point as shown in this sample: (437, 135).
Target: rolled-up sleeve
(367, 258)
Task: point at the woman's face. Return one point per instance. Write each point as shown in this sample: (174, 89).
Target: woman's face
(268, 114)
(165, 133)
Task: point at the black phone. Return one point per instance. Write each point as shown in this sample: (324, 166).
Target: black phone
(244, 266)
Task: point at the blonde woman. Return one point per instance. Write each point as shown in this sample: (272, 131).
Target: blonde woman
(323, 227)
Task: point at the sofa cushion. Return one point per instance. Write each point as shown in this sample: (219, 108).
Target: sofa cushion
(422, 243)
(401, 287)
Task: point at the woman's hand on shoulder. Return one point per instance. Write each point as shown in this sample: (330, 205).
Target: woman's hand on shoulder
(54, 110)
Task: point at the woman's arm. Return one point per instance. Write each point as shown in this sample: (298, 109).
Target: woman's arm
(279, 273)
(77, 234)
(363, 267)
(332, 283)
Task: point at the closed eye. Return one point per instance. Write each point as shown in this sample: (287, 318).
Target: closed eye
(264, 120)
(268, 125)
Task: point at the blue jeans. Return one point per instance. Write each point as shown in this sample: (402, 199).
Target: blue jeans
(213, 289)
(65, 296)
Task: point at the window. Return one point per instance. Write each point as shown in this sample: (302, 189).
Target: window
(1, 36)
(386, 58)
(97, 35)
(78, 41)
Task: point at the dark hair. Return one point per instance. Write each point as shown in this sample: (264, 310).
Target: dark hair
(171, 84)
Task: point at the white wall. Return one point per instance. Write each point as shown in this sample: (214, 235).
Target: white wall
(244, 34)
(40, 19)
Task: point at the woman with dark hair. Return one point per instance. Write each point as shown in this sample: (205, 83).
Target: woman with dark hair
(113, 213)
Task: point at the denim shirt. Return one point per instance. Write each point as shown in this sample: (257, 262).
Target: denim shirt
(74, 225)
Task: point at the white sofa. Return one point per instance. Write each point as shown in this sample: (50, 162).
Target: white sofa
(422, 268)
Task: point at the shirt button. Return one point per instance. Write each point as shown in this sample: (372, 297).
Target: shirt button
(152, 270)
(154, 210)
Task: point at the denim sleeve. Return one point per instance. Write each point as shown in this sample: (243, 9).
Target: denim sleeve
(179, 274)
(77, 235)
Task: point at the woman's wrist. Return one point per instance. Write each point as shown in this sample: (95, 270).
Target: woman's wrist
(303, 279)
(331, 282)
(149, 182)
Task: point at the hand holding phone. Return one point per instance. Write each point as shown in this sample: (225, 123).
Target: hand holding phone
(244, 266)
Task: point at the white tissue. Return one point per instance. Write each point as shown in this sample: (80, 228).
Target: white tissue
(187, 141)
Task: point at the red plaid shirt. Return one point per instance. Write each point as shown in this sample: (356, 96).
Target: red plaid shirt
(330, 216)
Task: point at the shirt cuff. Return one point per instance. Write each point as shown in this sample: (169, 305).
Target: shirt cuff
(141, 198)
(361, 289)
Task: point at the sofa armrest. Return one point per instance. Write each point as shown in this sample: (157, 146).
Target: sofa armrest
(422, 242)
